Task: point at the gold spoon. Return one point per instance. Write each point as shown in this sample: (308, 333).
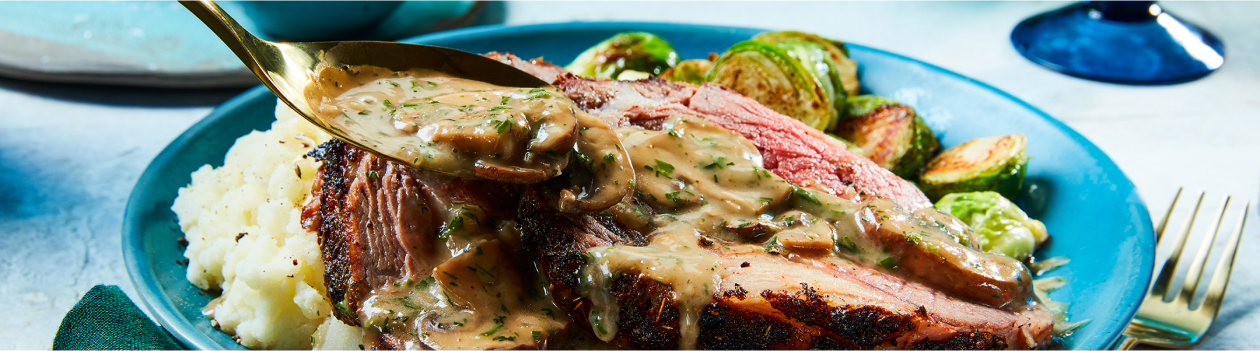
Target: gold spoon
(287, 68)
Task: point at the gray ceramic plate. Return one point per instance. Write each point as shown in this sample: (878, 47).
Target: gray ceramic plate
(159, 43)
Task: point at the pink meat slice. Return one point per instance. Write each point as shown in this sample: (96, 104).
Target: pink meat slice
(794, 151)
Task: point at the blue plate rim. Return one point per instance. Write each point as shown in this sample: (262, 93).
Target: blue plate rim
(160, 308)
(142, 278)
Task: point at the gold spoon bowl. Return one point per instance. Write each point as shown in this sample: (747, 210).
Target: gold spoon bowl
(288, 68)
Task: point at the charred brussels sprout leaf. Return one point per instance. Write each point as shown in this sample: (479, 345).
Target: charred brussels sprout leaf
(768, 74)
(889, 133)
(631, 51)
(996, 163)
(1002, 227)
(689, 71)
(845, 67)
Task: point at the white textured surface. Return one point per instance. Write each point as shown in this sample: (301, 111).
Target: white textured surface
(69, 156)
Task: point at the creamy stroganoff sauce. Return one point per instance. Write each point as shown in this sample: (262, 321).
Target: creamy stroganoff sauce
(477, 300)
(703, 186)
(477, 295)
(705, 190)
(472, 129)
(696, 188)
(447, 124)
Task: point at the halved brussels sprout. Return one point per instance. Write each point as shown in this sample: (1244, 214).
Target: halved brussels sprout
(635, 51)
(689, 71)
(889, 133)
(845, 67)
(768, 74)
(814, 58)
(1002, 227)
(996, 163)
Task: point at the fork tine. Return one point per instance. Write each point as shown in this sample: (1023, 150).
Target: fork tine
(1220, 278)
(1160, 288)
(1159, 230)
(1195, 272)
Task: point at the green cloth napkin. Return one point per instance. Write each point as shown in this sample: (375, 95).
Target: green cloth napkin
(105, 319)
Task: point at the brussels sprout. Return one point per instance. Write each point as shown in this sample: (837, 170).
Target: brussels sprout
(1002, 227)
(845, 67)
(768, 74)
(689, 71)
(889, 133)
(814, 58)
(636, 51)
(996, 163)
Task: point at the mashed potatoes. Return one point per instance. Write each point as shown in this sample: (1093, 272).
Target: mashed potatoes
(243, 226)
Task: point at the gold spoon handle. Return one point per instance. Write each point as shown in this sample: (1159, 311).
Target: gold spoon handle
(249, 48)
(231, 33)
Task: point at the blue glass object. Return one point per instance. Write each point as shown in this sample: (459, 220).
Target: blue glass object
(1130, 42)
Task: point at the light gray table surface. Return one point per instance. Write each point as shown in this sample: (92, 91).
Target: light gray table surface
(70, 155)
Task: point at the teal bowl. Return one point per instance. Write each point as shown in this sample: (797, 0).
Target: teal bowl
(316, 20)
(1091, 209)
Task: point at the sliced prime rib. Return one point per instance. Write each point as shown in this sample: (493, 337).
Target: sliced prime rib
(770, 301)
(798, 152)
(791, 149)
(378, 225)
(794, 151)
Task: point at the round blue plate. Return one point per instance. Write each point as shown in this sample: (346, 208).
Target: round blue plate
(1094, 214)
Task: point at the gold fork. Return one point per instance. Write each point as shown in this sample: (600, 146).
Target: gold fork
(1177, 323)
